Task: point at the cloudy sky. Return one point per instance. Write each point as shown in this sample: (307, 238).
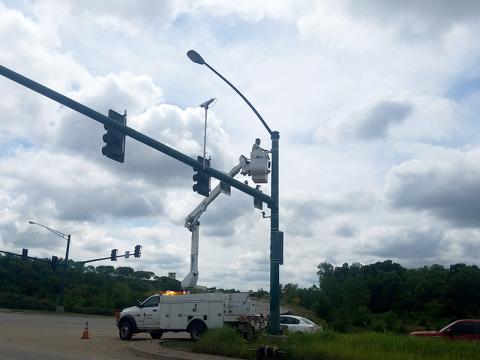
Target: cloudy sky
(376, 103)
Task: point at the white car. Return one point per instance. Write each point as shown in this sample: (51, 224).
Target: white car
(298, 323)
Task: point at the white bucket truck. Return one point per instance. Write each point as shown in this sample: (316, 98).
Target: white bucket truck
(192, 313)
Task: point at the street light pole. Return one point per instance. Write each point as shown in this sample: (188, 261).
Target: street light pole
(61, 307)
(206, 106)
(275, 215)
(274, 239)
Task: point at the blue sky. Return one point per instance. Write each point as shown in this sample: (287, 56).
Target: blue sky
(377, 107)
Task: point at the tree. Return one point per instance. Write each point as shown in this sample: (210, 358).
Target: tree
(289, 292)
(124, 271)
(147, 275)
(107, 270)
(33, 285)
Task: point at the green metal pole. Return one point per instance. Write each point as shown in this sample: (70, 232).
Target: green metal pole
(61, 308)
(274, 248)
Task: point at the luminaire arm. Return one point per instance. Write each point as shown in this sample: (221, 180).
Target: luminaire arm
(196, 58)
(53, 231)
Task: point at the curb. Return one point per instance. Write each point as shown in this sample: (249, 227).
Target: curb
(153, 350)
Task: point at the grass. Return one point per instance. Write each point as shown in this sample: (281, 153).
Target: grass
(333, 346)
(225, 341)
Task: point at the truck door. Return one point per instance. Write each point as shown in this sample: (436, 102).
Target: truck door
(149, 313)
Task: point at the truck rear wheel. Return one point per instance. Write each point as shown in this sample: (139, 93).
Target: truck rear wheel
(125, 330)
(197, 329)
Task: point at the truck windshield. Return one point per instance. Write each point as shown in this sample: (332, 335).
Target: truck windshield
(446, 327)
(151, 301)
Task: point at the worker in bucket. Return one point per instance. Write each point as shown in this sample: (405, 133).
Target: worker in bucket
(256, 146)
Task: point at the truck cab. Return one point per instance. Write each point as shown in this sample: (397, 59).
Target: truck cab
(140, 318)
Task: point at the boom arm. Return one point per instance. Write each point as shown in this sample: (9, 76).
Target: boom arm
(192, 224)
(194, 216)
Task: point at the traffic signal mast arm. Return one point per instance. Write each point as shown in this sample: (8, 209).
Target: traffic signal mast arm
(192, 224)
(24, 256)
(105, 120)
(54, 262)
(99, 259)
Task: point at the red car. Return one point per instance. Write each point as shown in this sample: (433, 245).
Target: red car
(466, 329)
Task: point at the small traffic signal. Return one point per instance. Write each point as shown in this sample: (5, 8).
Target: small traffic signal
(257, 203)
(114, 140)
(54, 263)
(202, 179)
(24, 254)
(137, 252)
(277, 248)
(113, 255)
(280, 247)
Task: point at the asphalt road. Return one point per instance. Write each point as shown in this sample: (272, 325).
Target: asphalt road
(33, 336)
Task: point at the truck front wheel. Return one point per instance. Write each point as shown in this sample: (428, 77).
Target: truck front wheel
(125, 330)
(197, 329)
(156, 334)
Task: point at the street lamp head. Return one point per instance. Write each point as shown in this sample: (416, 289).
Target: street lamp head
(207, 103)
(31, 222)
(195, 57)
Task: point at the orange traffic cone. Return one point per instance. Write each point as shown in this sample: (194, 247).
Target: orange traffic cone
(85, 332)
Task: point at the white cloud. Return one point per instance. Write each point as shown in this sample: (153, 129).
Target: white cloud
(408, 244)
(369, 124)
(418, 19)
(442, 181)
(248, 10)
(324, 74)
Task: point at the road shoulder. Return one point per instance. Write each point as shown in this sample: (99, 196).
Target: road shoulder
(154, 350)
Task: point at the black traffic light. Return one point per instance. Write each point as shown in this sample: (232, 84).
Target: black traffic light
(115, 141)
(257, 203)
(54, 263)
(137, 252)
(113, 255)
(202, 179)
(24, 254)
